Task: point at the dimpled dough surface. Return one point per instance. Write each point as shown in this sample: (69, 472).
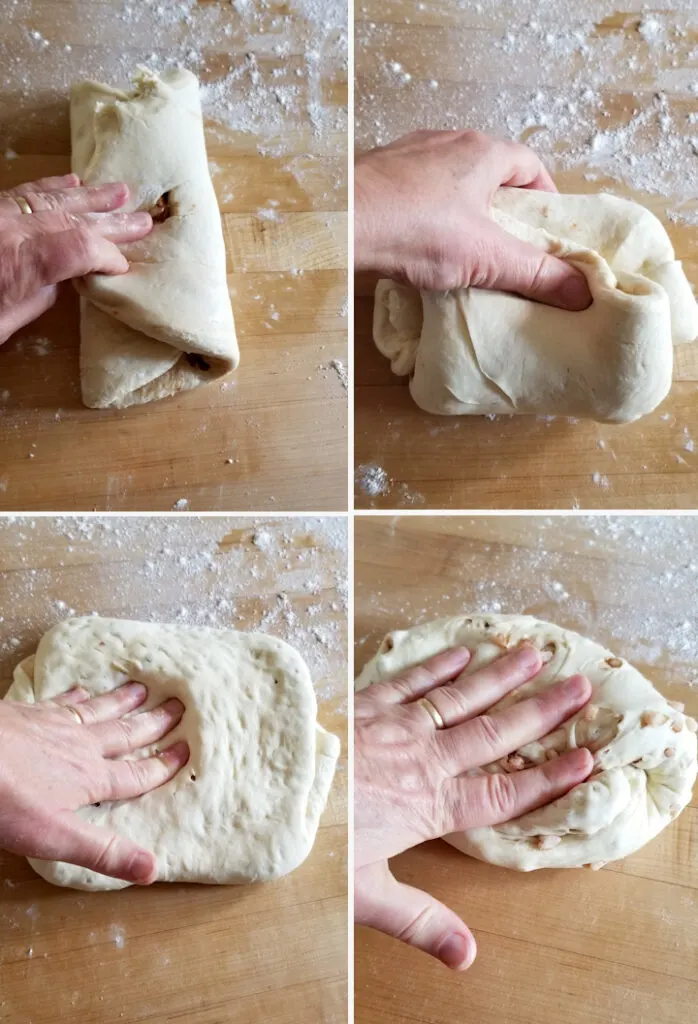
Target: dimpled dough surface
(262, 765)
(644, 748)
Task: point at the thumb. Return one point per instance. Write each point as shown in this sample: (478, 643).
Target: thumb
(75, 841)
(411, 915)
(521, 268)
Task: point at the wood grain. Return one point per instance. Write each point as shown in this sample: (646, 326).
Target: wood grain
(519, 462)
(615, 945)
(274, 434)
(197, 954)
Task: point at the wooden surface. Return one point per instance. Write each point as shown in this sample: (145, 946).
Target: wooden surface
(275, 952)
(620, 944)
(274, 436)
(520, 462)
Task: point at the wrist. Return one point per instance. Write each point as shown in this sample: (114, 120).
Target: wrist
(372, 242)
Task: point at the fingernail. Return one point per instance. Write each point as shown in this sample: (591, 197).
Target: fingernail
(576, 762)
(574, 294)
(528, 654)
(177, 754)
(173, 704)
(454, 951)
(575, 687)
(137, 689)
(143, 868)
(140, 219)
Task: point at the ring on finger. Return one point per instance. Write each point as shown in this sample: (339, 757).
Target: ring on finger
(76, 713)
(23, 204)
(433, 712)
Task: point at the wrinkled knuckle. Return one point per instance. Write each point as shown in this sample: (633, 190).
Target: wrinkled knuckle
(416, 927)
(475, 138)
(83, 243)
(490, 732)
(105, 858)
(502, 795)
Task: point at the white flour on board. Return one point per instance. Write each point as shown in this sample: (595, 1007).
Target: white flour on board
(610, 96)
(264, 66)
(587, 88)
(287, 577)
(642, 603)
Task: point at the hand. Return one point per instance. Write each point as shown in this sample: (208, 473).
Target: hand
(411, 780)
(72, 231)
(51, 764)
(422, 215)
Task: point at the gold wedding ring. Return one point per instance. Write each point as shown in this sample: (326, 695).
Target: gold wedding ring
(432, 712)
(25, 208)
(74, 711)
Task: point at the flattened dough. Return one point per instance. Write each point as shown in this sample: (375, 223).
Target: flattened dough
(167, 325)
(645, 770)
(263, 765)
(478, 352)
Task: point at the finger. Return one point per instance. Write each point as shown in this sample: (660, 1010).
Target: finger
(490, 736)
(470, 695)
(414, 917)
(26, 311)
(510, 265)
(69, 838)
(414, 682)
(128, 779)
(489, 799)
(125, 735)
(114, 704)
(77, 200)
(78, 695)
(515, 165)
(51, 258)
(120, 228)
(116, 227)
(50, 184)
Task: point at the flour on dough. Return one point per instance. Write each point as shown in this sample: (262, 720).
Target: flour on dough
(247, 805)
(478, 352)
(644, 749)
(167, 325)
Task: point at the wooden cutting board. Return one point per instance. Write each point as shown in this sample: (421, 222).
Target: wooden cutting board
(618, 945)
(273, 435)
(275, 952)
(456, 57)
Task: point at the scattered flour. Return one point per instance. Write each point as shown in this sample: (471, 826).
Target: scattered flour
(372, 480)
(285, 576)
(641, 603)
(615, 100)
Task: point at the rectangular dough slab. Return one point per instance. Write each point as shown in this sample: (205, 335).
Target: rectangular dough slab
(246, 807)
(167, 325)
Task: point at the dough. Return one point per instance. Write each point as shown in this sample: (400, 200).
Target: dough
(247, 805)
(167, 325)
(479, 352)
(645, 770)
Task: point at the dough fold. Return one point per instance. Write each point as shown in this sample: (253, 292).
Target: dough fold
(167, 325)
(478, 352)
(246, 807)
(645, 758)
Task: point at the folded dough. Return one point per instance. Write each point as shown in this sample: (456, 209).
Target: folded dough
(167, 325)
(474, 351)
(644, 769)
(247, 805)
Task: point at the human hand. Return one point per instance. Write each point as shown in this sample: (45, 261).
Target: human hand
(422, 215)
(412, 781)
(52, 763)
(72, 231)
